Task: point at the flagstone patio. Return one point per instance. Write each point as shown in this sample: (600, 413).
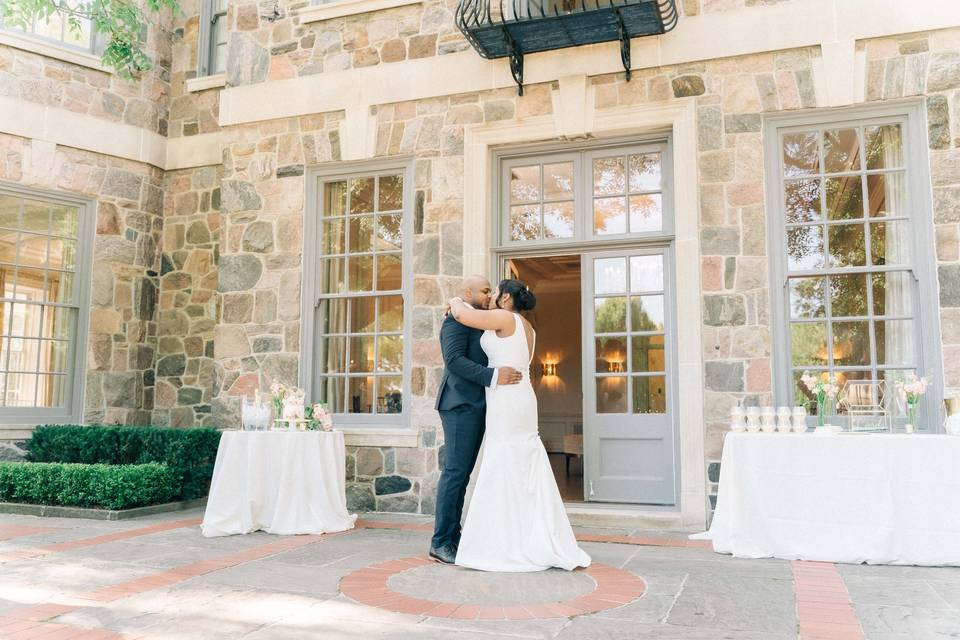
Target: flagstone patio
(159, 578)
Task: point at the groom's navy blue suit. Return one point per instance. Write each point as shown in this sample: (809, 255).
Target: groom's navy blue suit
(462, 404)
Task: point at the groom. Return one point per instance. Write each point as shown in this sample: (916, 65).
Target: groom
(461, 403)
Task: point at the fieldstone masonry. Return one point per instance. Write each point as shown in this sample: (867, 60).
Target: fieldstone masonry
(201, 302)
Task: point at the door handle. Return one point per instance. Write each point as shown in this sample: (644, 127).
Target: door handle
(592, 493)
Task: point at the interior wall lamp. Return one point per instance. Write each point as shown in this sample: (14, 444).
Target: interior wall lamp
(549, 369)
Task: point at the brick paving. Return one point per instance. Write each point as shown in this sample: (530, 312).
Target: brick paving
(158, 578)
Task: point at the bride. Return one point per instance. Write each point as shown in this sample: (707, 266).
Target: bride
(516, 520)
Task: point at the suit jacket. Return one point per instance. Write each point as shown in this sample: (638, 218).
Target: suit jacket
(466, 372)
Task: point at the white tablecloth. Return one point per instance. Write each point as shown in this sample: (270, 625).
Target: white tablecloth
(877, 498)
(280, 482)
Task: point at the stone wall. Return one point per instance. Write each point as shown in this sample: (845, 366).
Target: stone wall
(129, 207)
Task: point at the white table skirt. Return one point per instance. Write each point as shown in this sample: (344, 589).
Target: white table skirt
(876, 498)
(279, 482)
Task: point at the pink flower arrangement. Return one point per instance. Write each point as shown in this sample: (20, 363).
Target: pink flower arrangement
(822, 388)
(911, 389)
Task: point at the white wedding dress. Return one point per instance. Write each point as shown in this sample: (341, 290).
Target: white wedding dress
(516, 520)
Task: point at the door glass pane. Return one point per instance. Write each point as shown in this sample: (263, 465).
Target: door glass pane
(851, 343)
(610, 215)
(558, 181)
(886, 193)
(389, 394)
(612, 394)
(646, 273)
(894, 342)
(361, 195)
(844, 198)
(525, 184)
(847, 248)
(645, 172)
(558, 220)
(890, 243)
(610, 275)
(801, 154)
(646, 213)
(610, 315)
(884, 147)
(841, 150)
(360, 395)
(525, 222)
(805, 248)
(611, 354)
(646, 313)
(647, 354)
(806, 298)
(808, 343)
(391, 193)
(649, 394)
(608, 176)
(802, 200)
(848, 295)
(892, 293)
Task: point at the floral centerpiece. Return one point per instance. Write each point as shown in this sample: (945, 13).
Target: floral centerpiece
(911, 390)
(821, 388)
(288, 402)
(319, 417)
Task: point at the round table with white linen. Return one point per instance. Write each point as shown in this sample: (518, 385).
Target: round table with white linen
(283, 482)
(874, 498)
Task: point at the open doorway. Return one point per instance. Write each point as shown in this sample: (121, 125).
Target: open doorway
(556, 370)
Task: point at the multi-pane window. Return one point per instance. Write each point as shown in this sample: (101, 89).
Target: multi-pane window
(629, 329)
(57, 29)
(39, 244)
(851, 294)
(213, 37)
(602, 194)
(359, 368)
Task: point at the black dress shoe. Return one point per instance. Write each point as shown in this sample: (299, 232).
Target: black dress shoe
(445, 554)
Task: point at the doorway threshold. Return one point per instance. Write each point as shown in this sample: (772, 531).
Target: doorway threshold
(625, 516)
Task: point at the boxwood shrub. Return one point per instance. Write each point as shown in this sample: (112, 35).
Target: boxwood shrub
(88, 485)
(189, 453)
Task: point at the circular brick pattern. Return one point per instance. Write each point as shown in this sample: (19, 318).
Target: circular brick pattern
(613, 588)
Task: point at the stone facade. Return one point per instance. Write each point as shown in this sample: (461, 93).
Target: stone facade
(202, 301)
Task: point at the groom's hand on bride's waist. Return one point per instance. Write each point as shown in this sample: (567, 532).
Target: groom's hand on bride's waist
(508, 375)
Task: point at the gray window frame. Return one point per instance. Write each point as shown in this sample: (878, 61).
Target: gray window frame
(76, 355)
(311, 296)
(95, 45)
(206, 46)
(582, 158)
(910, 115)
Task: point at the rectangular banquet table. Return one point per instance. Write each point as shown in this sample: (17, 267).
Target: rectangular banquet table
(284, 482)
(875, 498)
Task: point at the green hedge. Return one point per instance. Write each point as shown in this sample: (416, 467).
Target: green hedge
(88, 485)
(189, 453)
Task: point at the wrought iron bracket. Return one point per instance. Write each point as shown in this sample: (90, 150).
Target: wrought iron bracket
(624, 43)
(516, 61)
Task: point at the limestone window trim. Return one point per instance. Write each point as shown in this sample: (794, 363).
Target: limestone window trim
(203, 83)
(50, 50)
(341, 8)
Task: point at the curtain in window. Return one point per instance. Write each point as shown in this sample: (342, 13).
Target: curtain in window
(897, 298)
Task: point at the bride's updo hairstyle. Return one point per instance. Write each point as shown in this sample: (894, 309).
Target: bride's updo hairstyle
(523, 298)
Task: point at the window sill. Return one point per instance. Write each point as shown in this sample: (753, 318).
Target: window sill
(341, 8)
(360, 436)
(49, 50)
(206, 82)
